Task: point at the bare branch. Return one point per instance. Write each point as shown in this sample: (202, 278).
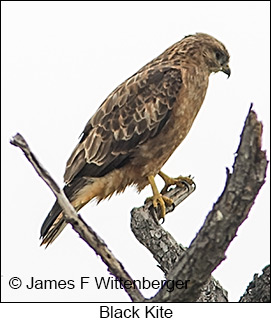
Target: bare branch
(208, 248)
(165, 248)
(152, 235)
(85, 232)
(258, 289)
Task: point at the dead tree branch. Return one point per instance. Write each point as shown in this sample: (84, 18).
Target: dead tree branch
(258, 289)
(164, 248)
(208, 248)
(85, 232)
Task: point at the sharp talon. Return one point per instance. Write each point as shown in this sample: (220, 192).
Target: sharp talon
(173, 206)
(162, 201)
(160, 198)
(163, 220)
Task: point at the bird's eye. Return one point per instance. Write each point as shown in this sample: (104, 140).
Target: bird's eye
(218, 55)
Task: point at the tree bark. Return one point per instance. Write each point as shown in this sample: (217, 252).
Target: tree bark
(196, 263)
(79, 225)
(258, 289)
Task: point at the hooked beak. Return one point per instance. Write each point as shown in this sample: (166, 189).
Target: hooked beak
(226, 69)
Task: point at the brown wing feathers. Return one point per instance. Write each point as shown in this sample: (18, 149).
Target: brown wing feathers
(124, 129)
(112, 134)
(136, 111)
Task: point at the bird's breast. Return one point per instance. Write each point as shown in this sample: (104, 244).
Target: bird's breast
(153, 154)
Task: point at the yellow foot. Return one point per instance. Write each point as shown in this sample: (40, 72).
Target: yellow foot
(158, 198)
(162, 201)
(179, 181)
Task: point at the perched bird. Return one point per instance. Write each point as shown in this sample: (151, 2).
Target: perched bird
(138, 127)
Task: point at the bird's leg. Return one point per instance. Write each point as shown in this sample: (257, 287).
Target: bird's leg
(158, 198)
(179, 181)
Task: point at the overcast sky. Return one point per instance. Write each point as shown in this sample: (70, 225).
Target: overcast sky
(59, 62)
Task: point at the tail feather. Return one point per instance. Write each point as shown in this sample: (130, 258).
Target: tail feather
(53, 225)
(55, 222)
(50, 219)
(53, 233)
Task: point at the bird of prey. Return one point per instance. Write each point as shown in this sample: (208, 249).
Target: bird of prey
(138, 126)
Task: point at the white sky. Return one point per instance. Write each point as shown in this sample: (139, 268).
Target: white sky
(59, 62)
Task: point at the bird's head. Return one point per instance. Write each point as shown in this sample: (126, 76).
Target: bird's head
(211, 51)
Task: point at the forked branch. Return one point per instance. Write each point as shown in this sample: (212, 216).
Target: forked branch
(207, 250)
